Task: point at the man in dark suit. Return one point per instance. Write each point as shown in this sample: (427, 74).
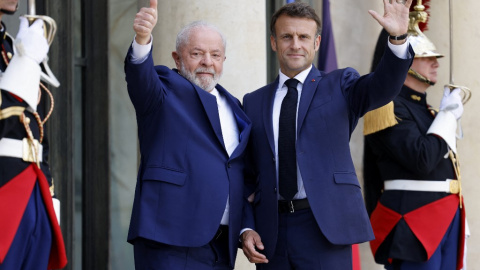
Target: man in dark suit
(307, 201)
(189, 198)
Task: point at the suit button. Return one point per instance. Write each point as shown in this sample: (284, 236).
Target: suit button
(275, 190)
(273, 159)
(229, 165)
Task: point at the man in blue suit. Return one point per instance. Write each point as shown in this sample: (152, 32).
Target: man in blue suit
(307, 201)
(189, 199)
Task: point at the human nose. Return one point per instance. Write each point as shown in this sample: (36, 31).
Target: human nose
(207, 60)
(296, 43)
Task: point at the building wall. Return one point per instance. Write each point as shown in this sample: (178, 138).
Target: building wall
(244, 24)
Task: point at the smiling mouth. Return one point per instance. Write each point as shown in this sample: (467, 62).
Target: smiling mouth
(295, 55)
(204, 74)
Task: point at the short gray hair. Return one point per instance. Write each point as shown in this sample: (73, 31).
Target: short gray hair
(184, 34)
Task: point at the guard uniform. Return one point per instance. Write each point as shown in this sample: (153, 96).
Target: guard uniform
(30, 235)
(411, 225)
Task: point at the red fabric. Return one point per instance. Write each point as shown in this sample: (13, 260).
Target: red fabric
(356, 258)
(58, 256)
(14, 197)
(383, 220)
(461, 238)
(16, 97)
(430, 222)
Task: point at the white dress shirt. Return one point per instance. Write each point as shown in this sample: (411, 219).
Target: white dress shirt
(229, 133)
(401, 51)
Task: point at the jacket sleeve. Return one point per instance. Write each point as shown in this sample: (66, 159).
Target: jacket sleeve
(144, 86)
(376, 89)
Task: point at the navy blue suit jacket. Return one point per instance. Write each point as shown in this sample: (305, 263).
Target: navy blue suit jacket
(329, 109)
(185, 175)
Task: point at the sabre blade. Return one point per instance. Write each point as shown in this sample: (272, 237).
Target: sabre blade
(451, 40)
(31, 8)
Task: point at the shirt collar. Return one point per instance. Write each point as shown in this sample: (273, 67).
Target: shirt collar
(301, 77)
(217, 95)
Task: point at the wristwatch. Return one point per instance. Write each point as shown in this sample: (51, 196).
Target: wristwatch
(401, 37)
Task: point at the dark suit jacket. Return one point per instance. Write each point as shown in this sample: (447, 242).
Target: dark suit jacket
(185, 175)
(329, 109)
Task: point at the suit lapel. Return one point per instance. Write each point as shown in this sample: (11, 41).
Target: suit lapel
(267, 105)
(209, 103)
(243, 123)
(308, 91)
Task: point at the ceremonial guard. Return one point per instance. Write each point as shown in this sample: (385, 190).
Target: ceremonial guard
(30, 236)
(411, 172)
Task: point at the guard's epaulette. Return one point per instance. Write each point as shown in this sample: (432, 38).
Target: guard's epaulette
(7, 35)
(10, 111)
(11, 40)
(379, 119)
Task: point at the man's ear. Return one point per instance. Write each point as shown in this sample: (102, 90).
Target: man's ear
(317, 42)
(176, 58)
(273, 43)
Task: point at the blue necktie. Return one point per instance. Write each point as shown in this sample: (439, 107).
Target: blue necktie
(287, 158)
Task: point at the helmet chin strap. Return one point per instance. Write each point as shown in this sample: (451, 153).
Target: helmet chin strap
(420, 77)
(9, 12)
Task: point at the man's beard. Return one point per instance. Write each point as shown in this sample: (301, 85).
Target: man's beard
(207, 83)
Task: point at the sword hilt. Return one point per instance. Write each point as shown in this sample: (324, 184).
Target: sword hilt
(50, 26)
(466, 93)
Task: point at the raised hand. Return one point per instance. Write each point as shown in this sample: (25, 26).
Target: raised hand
(395, 18)
(144, 22)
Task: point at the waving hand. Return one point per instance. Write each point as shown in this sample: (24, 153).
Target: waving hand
(395, 18)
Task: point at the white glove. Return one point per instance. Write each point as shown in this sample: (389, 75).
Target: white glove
(452, 102)
(30, 40)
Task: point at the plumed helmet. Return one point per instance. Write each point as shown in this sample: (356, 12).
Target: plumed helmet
(422, 46)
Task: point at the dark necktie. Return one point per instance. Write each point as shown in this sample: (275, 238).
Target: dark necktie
(287, 158)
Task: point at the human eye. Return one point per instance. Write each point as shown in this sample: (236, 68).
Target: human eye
(195, 54)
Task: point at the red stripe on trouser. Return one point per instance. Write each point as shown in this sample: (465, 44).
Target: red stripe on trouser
(461, 239)
(356, 258)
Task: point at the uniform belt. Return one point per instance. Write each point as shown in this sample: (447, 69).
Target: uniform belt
(20, 149)
(292, 206)
(448, 186)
